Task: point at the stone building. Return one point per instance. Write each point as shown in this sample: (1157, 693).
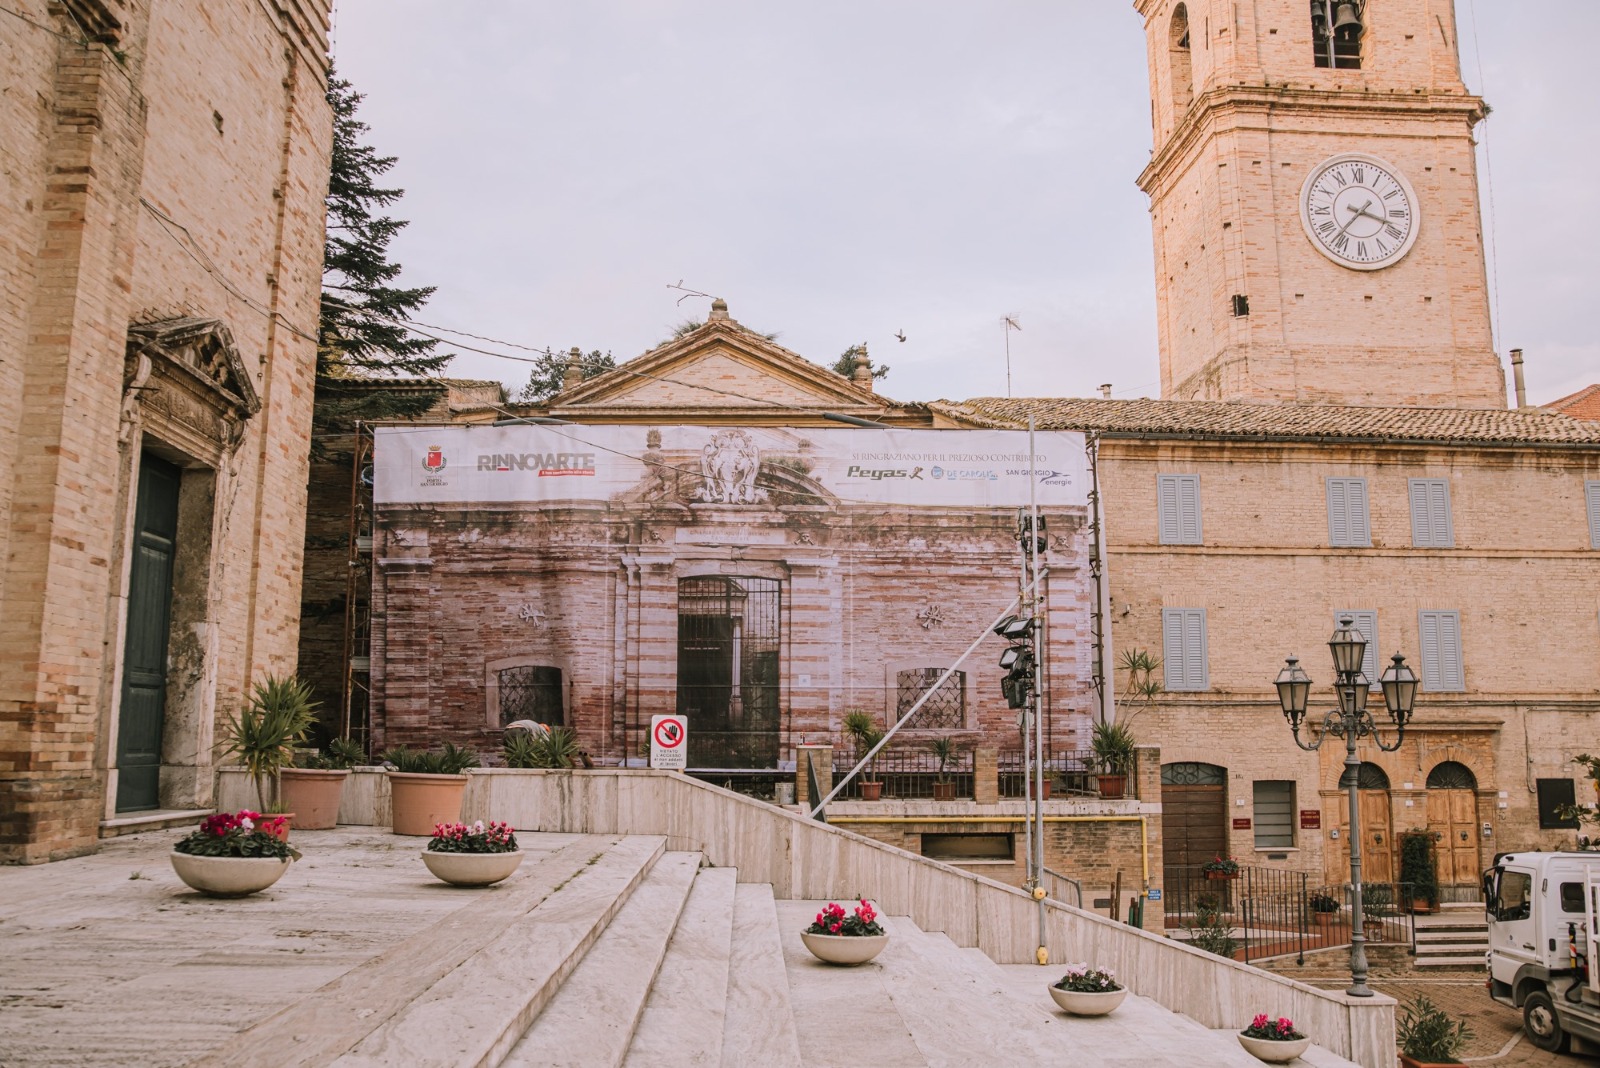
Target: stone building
(166, 164)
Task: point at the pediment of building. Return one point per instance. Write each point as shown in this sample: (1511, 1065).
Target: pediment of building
(202, 353)
(720, 367)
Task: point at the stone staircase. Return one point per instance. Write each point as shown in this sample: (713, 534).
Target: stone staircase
(615, 950)
(1455, 937)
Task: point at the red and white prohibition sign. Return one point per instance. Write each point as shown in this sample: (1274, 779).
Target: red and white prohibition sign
(669, 737)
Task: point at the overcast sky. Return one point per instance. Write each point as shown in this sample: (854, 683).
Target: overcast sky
(840, 171)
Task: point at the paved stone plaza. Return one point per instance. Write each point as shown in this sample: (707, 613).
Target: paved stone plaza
(358, 956)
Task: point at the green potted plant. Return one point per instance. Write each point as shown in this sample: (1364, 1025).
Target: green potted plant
(313, 792)
(1428, 1035)
(425, 788)
(1112, 745)
(867, 734)
(1221, 867)
(265, 732)
(1086, 991)
(1377, 904)
(944, 749)
(1273, 1041)
(476, 854)
(1324, 907)
(554, 747)
(837, 938)
(234, 854)
(1418, 869)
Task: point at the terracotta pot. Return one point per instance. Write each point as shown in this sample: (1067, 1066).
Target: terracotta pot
(420, 802)
(1218, 876)
(314, 796)
(285, 827)
(871, 791)
(1324, 920)
(472, 869)
(1096, 1003)
(228, 876)
(944, 791)
(1272, 1050)
(847, 950)
(1112, 785)
(1033, 789)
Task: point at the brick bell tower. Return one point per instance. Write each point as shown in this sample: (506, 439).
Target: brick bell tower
(1314, 197)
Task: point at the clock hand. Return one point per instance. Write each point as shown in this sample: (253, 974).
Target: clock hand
(1358, 213)
(1364, 213)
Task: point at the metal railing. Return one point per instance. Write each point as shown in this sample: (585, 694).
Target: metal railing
(763, 784)
(1072, 773)
(909, 774)
(1269, 912)
(1057, 886)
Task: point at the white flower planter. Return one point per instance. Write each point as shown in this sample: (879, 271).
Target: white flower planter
(844, 949)
(472, 869)
(228, 876)
(1274, 1051)
(1087, 1004)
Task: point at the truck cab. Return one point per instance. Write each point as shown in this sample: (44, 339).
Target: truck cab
(1543, 912)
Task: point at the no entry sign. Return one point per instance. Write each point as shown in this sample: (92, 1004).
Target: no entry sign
(669, 737)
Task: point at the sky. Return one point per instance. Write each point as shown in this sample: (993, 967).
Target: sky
(841, 172)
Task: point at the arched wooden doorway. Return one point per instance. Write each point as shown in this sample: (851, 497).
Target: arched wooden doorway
(1453, 815)
(1377, 837)
(1194, 812)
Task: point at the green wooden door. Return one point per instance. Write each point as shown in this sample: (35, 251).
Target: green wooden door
(144, 658)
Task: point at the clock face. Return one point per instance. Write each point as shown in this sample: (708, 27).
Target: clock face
(1359, 212)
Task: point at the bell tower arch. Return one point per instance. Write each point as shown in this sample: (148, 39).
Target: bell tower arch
(1315, 206)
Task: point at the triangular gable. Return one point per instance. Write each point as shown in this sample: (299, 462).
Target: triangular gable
(719, 366)
(203, 350)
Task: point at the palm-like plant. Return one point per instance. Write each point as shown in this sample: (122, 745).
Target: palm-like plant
(556, 748)
(867, 734)
(265, 732)
(944, 748)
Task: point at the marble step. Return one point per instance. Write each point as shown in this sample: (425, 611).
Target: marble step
(476, 1013)
(681, 1026)
(326, 1023)
(1475, 963)
(760, 1026)
(591, 1019)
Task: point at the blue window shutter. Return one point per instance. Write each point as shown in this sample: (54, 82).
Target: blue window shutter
(1443, 669)
(1172, 648)
(1178, 506)
(1366, 621)
(1338, 513)
(1591, 493)
(1430, 513)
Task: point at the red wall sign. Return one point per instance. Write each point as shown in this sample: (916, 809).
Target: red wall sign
(1242, 824)
(1310, 819)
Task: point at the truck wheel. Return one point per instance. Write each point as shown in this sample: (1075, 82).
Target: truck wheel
(1539, 1021)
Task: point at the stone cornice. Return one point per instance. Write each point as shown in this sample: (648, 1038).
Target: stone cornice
(1231, 101)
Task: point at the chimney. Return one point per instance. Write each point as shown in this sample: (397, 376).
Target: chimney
(863, 373)
(719, 310)
(1516, 378)
(573, 375)
(1105, 391)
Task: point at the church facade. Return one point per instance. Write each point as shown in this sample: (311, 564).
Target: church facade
(155, 394)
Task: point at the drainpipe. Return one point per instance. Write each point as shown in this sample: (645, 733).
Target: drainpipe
(1516, 377)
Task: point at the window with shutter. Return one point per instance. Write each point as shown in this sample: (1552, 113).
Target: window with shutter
(1591, 496)
(1442, 668)
(1274, 814)
(1430, 513)
(1347, 512)
(1183, 633)
(1365, 621)
(1178, 498)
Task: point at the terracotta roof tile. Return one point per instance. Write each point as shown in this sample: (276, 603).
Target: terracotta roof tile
(1584, 404)
(1306, 422)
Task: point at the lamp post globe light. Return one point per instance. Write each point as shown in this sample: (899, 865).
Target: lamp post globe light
(1352, 722)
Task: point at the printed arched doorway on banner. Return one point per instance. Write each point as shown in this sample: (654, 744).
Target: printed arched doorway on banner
(1453, 815)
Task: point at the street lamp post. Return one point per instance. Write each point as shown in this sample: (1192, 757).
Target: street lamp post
(1352, 722)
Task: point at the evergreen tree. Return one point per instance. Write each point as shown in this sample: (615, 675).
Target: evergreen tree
(850, 358)
(550, 371)
(359, 339)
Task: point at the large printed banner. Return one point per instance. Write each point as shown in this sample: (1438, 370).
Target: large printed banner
(728, 465)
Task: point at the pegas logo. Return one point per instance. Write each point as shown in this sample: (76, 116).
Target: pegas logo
(433, 459)
(878, 474)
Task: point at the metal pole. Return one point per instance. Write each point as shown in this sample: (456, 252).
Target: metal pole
(1043, 953)
(1358, 939)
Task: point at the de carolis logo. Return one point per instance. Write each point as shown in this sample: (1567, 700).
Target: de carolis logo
(433, 459)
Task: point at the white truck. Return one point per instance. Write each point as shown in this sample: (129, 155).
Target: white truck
(1544, 925)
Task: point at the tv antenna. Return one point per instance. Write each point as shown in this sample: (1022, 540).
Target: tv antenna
(1009, 323)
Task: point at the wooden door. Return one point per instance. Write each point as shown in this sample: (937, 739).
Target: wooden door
(1377, 840)
(144, 657)
(1194, 810)
(1453, 814)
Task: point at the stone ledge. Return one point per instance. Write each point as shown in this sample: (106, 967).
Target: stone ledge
(154, 820)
